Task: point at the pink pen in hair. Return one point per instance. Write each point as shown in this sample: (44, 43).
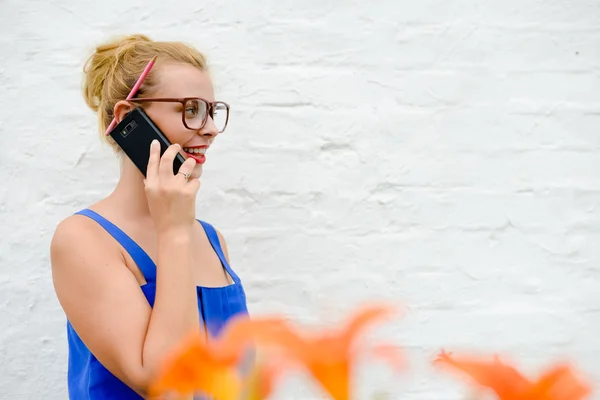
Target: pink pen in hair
(134, 90)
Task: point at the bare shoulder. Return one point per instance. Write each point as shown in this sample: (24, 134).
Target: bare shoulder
(74, 227)
(78, 235)
(223, 244)
(79, 253)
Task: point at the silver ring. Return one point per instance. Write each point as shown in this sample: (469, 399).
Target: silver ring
(185, 174)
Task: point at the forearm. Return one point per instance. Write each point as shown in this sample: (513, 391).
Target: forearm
(175, 311)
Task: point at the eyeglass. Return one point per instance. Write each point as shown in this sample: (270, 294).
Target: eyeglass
(195, 111)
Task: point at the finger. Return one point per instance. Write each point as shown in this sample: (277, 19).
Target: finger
(153, 161)
(186, 170)
(194, 185)
(165, 167)
(187, 167)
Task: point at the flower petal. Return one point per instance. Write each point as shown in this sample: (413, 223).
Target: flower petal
(362, 319)
(559, 383)
(504, 380)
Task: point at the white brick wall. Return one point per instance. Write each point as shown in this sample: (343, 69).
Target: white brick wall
(444, 154)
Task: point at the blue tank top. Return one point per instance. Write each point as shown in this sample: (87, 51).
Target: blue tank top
(87, 378)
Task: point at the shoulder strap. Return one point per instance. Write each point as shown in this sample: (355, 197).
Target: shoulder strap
(140, 257)
(213, 238)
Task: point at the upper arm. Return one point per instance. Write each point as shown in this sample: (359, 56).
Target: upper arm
(223, 245)
(101, 298)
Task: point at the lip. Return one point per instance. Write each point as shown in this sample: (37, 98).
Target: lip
(199, 158)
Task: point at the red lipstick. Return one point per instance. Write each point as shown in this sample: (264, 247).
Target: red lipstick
(197, 153)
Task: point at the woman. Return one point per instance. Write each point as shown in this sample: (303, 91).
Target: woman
(135, 272)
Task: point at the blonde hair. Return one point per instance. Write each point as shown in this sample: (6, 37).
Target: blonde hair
(114, 67)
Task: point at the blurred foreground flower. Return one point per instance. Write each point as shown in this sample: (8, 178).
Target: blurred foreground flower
(330, 355)
(261, 381)
(557, 383)
(196, 368)
(211, 367)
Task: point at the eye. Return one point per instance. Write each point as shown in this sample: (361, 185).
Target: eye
(191, 111)
(195, 109)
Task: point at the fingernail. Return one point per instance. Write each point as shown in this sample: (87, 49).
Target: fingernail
(154, 142)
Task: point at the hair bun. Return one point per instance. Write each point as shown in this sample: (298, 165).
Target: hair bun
(101, 65)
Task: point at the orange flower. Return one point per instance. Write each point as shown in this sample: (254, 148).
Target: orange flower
(210, 367)
(195, 368)
(558, 383)
(260, 383)
(329, 356)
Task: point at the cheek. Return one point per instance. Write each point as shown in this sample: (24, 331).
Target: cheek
(179, 136)
(170, 124)
(177, 133)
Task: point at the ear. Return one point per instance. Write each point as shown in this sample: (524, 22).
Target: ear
(122, 108)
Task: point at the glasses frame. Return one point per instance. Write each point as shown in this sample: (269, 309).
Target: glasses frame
(210, 106)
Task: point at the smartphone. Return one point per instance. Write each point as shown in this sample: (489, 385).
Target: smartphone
(135, 133)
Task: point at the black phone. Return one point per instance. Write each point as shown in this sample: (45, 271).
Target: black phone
(135, 133)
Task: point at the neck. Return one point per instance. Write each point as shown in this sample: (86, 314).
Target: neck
(129, 193)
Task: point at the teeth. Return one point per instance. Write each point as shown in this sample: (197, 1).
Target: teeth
(195, 150)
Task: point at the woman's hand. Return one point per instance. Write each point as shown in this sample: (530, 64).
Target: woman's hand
(171, 198)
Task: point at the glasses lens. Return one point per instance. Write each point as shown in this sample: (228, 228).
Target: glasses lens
(195, 113)
(220, 115)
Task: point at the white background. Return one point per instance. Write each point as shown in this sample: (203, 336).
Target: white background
(440, 154)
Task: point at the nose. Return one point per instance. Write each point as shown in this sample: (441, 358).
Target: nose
(209, 129)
